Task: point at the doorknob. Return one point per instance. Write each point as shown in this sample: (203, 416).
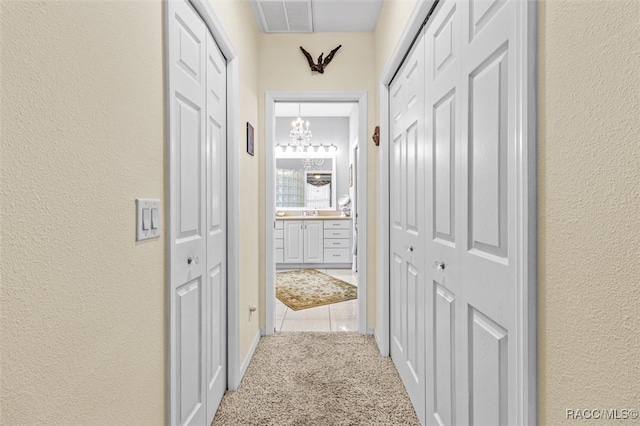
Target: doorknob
(191, 260)
(438, 265)
(410, 249)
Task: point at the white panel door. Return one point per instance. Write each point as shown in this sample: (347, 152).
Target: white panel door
(293, 241)
(216, 280)
(442, 87)
(488, 388)
(313, 241)
(198, 284)
(188, 218)
(407, 170)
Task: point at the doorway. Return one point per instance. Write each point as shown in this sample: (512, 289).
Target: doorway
(316, 224)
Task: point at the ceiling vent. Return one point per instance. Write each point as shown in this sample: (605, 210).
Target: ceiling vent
(283, 16)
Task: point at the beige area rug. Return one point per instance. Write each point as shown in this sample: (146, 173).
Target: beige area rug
(318, 379)
(308, 288)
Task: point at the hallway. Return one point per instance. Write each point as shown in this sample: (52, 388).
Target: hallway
(318, 379)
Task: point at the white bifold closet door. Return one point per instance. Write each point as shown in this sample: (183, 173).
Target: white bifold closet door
(407, 227)
(198, 299)
(454, 324)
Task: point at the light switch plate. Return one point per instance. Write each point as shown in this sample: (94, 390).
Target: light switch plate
(148, 204)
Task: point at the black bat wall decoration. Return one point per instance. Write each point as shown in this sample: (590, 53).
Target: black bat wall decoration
(321, 64)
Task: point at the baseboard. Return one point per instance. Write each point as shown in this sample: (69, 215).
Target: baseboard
(377, 338)
(247, 359)
(370, 331)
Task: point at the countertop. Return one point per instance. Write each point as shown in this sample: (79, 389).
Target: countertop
(313, 218)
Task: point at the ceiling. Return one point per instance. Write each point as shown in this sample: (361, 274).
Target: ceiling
(320, 109)
(318, 16)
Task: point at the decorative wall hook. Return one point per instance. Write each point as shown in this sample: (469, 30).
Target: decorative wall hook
(376, 136)
(321, 64)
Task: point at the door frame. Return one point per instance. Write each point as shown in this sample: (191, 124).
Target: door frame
(527, 196)
(205, 11)
(271, 97)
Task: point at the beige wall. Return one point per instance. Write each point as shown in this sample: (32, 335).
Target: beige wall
(589, 206)
(283, 67)
(83, 305)
(238, 22)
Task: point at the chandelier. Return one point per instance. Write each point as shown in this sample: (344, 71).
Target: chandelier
(299, 133)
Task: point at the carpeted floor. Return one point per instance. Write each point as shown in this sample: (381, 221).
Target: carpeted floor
(318, 379)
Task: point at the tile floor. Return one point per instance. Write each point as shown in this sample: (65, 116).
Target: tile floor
(341, 316)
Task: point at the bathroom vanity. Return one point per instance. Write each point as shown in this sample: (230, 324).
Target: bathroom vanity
(313, 242)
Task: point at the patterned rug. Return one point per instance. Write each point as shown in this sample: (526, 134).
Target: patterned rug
(308, 288)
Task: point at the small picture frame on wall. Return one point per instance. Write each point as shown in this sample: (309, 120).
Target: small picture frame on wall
(249, 139)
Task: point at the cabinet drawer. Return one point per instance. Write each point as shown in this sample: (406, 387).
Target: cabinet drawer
(279, 224)
(341, 255)
(279, 255)
(336, 233)
(336, 243)
(336, 224)
(278, 233)
(279, 243)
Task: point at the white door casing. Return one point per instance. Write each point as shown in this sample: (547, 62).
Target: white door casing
(407, 235)
(479, 215)
(197, 219)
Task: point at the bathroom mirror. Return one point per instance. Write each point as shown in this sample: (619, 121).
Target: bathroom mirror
(305, 181)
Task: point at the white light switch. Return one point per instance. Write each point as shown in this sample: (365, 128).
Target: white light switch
(154, 218)
(147, 218)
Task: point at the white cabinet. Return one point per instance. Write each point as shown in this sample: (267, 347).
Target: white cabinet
(293, 241)
(337, 241)
(313, 241)
(303, 241)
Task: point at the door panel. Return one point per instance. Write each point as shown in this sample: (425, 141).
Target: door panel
(407, 164)
(487, 381)
(488, 156)
(216, 151)
(444, 360)
(188, 216)
(189, 337)
(441, 195)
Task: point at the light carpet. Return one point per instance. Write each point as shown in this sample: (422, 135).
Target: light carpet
(308, 288)
(318, 379)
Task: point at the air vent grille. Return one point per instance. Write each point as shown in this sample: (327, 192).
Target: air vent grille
(285, 16)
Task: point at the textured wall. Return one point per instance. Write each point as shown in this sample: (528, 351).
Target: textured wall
(589, 206)
(283, 67)
(82, 323)
(238, 22)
